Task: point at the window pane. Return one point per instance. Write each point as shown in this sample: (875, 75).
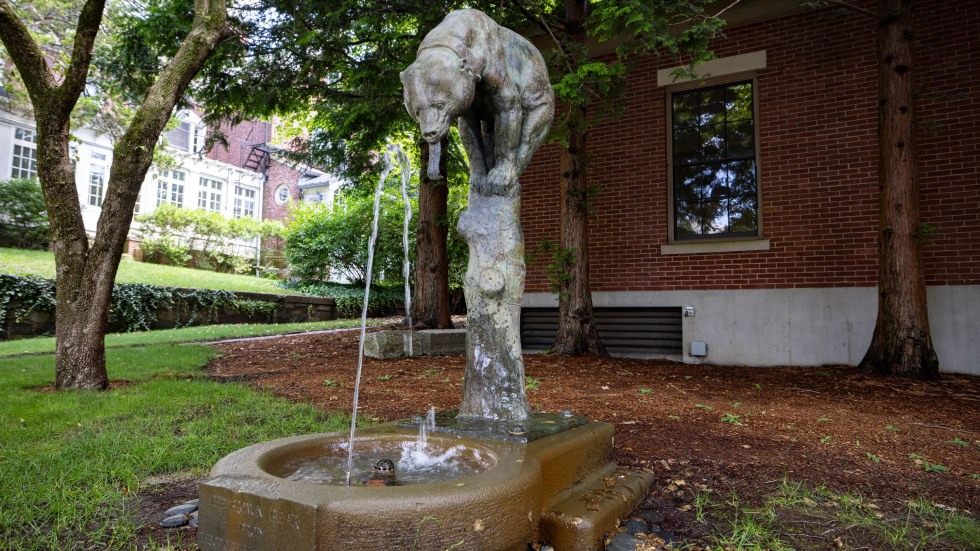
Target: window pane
(712, 107)
(742, 213)
(741, 139)
(687, 143)
(741, 178)
(712, 142)
(685, 109)
(739, 102)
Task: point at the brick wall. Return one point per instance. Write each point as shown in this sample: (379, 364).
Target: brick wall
(240, 138)
(277, 175)
(818, 163)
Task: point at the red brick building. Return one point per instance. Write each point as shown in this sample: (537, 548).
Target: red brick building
(751, 196)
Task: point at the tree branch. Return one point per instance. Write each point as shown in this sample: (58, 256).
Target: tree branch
(27, 57)
(88, 27)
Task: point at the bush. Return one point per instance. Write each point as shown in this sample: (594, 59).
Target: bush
(134, 305)
(321, 239)
(23, 215)
(176, 236)
(349, 298)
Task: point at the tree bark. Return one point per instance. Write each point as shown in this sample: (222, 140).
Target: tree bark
(430, 302)
(901, 344)
(86, 274)
(577, 332)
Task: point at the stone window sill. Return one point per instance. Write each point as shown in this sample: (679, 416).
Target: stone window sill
(716, 247)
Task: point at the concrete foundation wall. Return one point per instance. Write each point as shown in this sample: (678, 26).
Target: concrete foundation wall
(773, 327)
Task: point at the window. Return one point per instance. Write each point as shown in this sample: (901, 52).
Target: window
(170, 188)
(139, 199)
(244, 206)
(96, 185)
(282, 195)
(714, 162)
(24, 159)
(209, 197)
(186, 137)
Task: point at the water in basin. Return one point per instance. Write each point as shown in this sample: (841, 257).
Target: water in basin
(406, 464)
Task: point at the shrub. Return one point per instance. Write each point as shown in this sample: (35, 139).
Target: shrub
(175, 235)
(349, 299)
(134, 305)
(321, 239)
(23, 215)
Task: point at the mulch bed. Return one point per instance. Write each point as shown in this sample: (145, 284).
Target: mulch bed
(720, 428)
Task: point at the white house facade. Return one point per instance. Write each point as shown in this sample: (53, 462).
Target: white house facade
(194, 182)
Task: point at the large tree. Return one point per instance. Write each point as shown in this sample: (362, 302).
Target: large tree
(902, 343)
(86, 271)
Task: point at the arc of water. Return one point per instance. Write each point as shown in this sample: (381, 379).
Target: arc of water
(367, 293)
(406, 265)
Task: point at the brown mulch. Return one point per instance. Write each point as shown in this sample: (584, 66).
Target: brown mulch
(714, 427)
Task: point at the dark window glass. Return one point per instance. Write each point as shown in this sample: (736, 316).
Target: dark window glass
(714, 162)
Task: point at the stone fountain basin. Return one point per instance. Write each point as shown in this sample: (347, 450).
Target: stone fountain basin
(564, 488)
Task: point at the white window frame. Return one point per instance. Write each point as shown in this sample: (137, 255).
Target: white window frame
(96, 184)
(209, 196)
(23, 153)
(244, 203)
(283, 189)
(170, 187)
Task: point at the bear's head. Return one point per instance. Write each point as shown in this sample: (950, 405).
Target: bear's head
(439, 86)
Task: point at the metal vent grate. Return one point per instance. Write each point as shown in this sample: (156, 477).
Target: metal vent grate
(625, 331)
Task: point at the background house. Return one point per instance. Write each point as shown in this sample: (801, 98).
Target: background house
(245, 178)
(751, 196)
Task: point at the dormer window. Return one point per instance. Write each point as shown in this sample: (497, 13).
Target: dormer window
(189, 135)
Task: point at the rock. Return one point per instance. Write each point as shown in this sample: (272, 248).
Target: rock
(182, 509)
(193, 521)
(651, 516)
(624, 542)
(636, 526)
(174, 521)
(663, 534)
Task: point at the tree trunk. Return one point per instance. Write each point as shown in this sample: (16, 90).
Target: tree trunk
(430, 301)
(901, 344)
(85, 275)
(577, 333)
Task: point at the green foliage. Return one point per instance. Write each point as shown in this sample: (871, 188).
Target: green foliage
(169, 234)
(559, 265)
(322, 239)
(350, 298)
(23, 215)
(530, 383)
(256, 308)
(22, 295)
(134, 305)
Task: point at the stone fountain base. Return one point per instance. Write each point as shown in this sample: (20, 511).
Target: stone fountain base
(565, 490)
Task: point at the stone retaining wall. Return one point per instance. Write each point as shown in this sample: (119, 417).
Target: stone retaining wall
(289, 308)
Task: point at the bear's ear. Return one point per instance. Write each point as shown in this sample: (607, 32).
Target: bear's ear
(464, 66)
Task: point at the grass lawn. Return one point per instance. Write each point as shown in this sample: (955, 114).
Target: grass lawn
(41, 264)
(45, 345)
(71, 462)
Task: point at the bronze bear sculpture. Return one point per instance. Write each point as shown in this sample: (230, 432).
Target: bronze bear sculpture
(495, 82)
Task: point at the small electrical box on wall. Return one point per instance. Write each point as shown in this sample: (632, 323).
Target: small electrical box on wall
(699, 348)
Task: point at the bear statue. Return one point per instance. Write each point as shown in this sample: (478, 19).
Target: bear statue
(495, 82)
